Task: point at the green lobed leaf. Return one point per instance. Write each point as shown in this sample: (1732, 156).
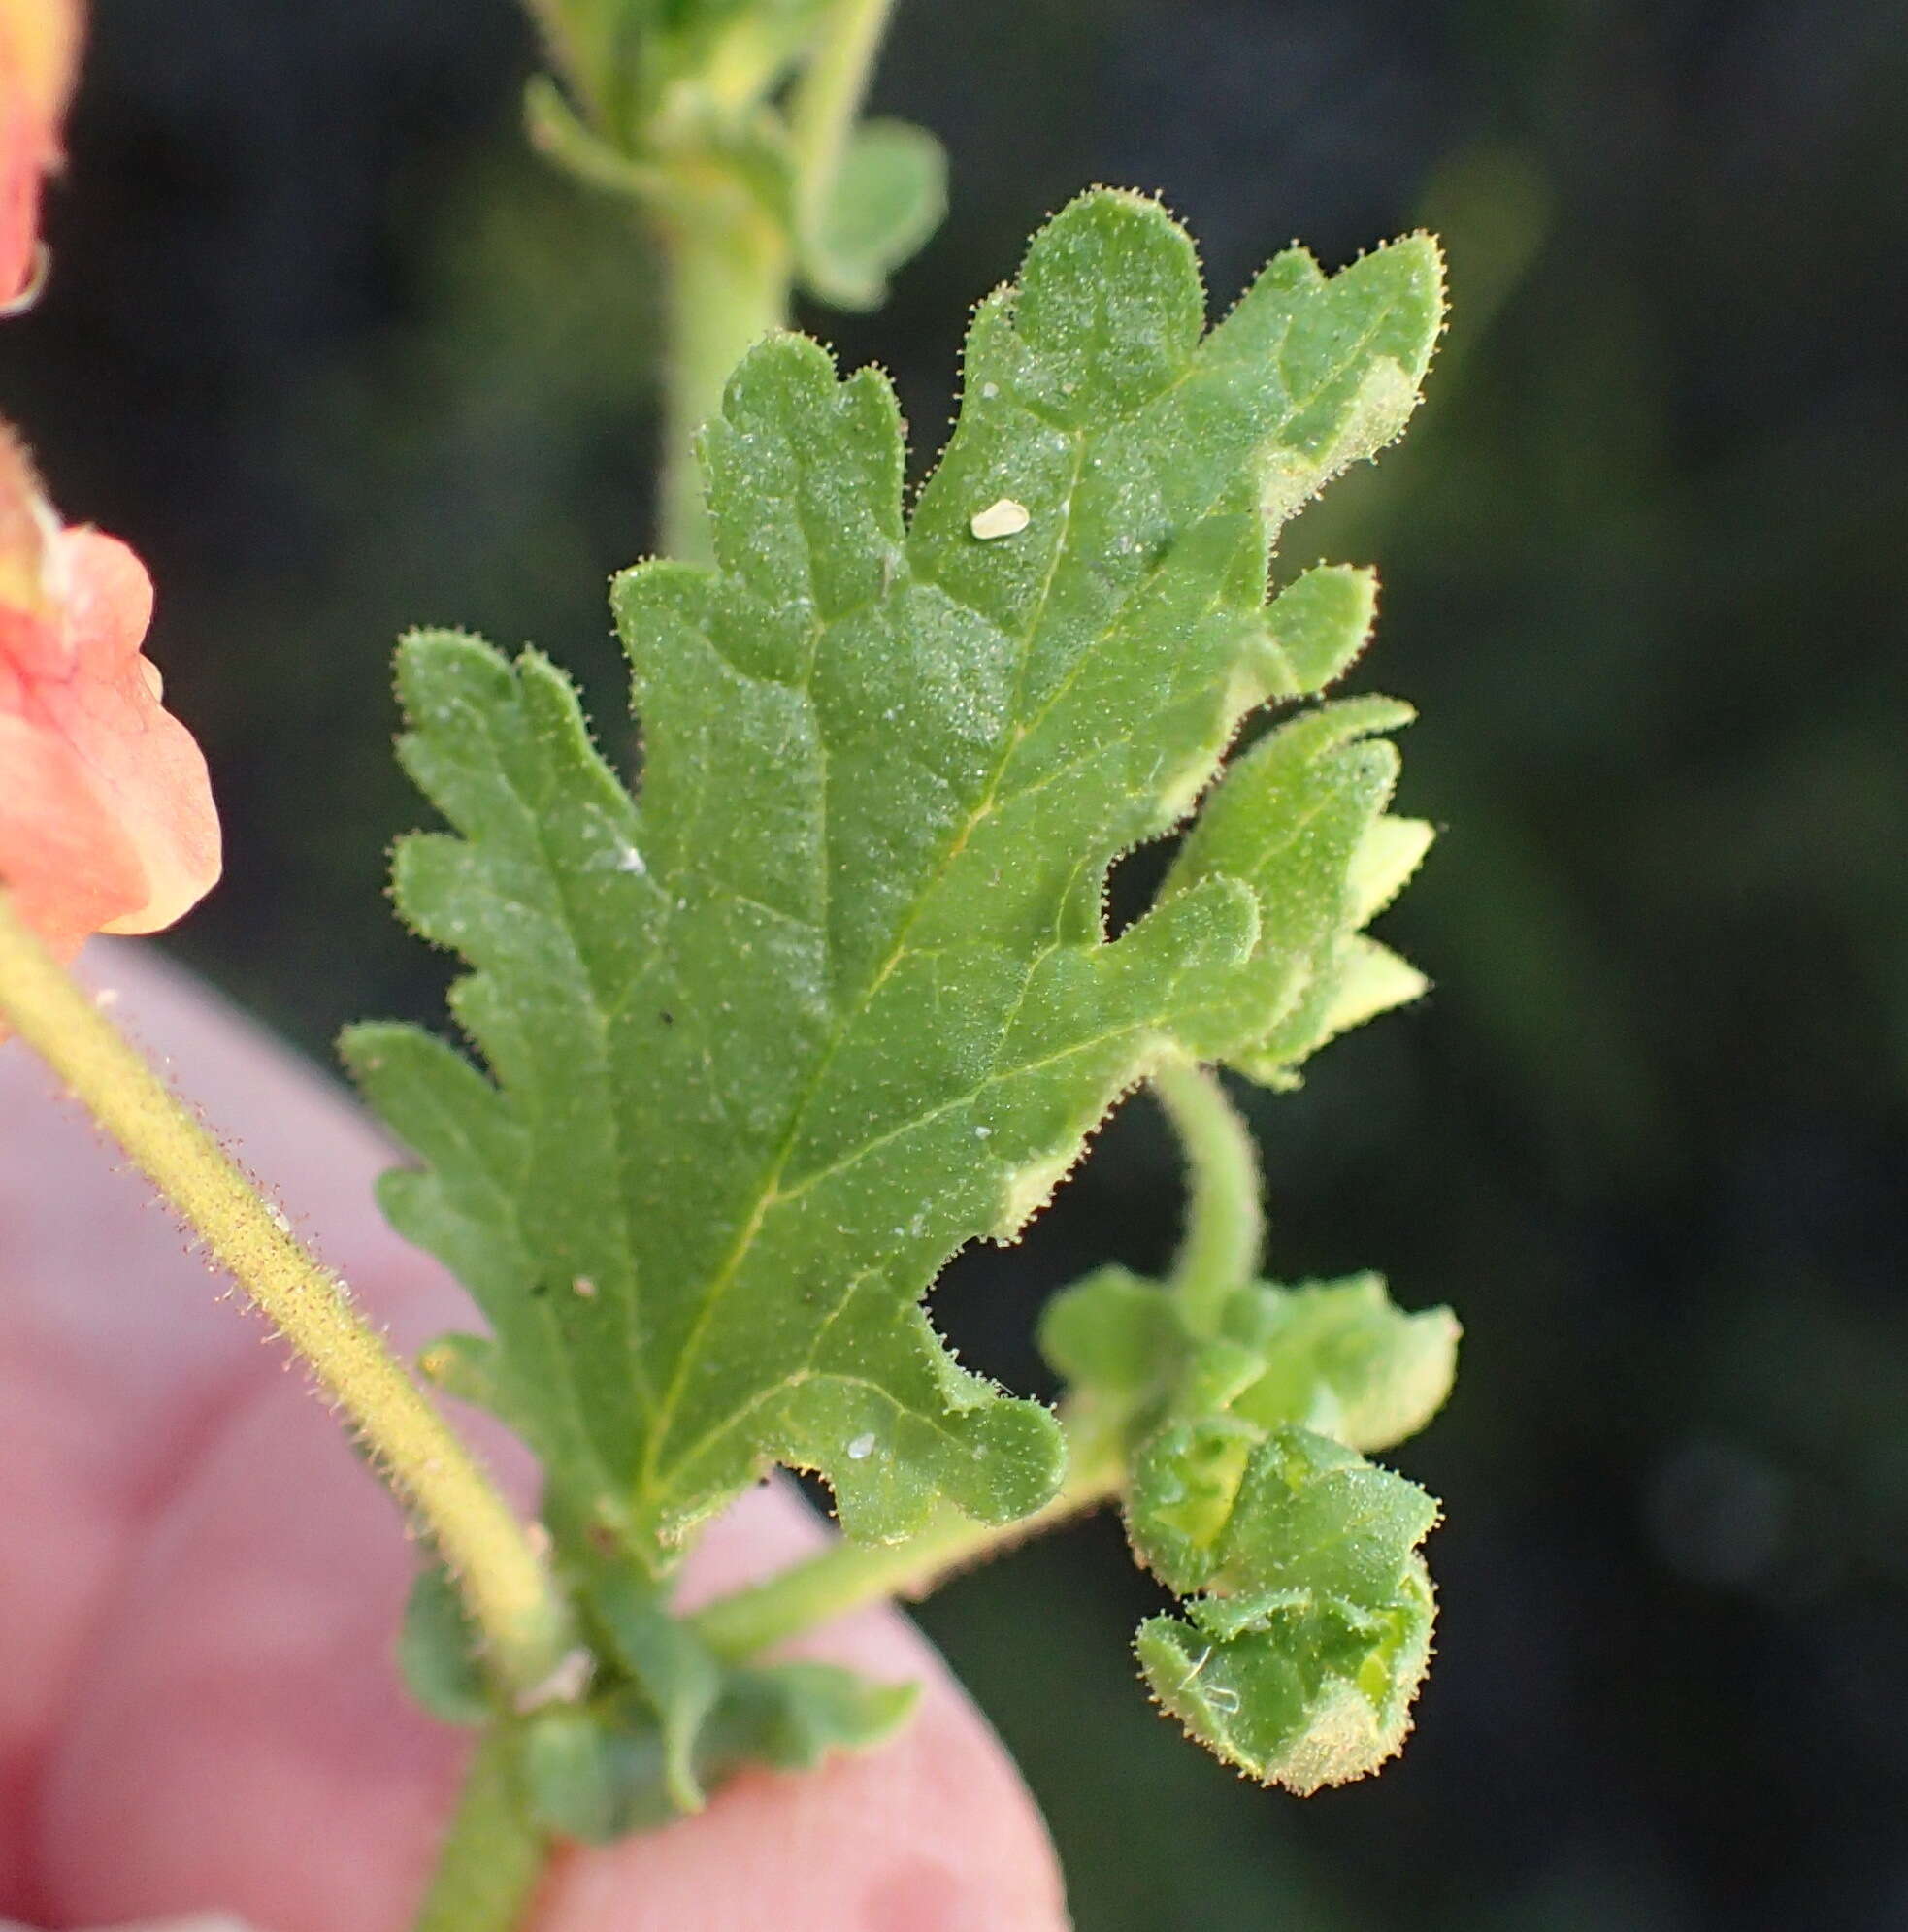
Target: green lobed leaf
(836, 997)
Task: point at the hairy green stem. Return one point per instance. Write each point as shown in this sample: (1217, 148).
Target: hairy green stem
(850, 1576)
(730, 267)
(492, 1860)
(828, 102)
(1225, 1218)
(729, 270)
(510, 1592)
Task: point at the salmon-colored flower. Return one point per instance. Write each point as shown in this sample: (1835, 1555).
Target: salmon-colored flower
(106, 822)
(38, 54)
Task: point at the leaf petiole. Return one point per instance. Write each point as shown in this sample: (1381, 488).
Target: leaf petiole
(493, 1857)
(851, 1576)
(1225, 1218)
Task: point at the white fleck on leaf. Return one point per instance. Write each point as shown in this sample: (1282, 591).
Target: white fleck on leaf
(1002, 517)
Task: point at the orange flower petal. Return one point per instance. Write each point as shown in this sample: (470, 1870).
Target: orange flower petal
(61, 855)
(39, 57)
(143, 765)
(106, 822)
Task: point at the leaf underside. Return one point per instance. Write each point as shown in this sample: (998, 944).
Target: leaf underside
(764, 1049)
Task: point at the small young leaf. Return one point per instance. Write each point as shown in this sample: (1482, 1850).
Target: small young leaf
(792, 1715)
(889, 198)
(837, 996)
(1114, 1337)
(437, 1651)
(1341, 1359)
(650, 1747)
(1299, 1662)
(1311, 1624)
(680, 1676)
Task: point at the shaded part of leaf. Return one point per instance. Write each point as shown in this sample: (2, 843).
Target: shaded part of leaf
(678, 1674)
(793, 1715)
(1181, 1498)
(595, 1773)
(889, 197)
(439, 1650)
(584, 1779)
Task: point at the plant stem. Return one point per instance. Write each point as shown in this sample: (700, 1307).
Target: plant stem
(493, 1857)
(569, 55)
(828, 102)
(1225, 1219)
(509, 1590)
(730, 267)
(850, 1576)
(728, 270)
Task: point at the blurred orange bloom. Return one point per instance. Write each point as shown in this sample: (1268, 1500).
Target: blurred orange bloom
(39, 54)
(106, 822)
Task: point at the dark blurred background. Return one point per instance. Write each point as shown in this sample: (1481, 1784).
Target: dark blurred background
(338, 357)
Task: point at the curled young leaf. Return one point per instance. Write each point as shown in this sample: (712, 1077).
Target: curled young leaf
(1299, 1660)
(1310, 1623)
(1302, 816)
(1341, 1359)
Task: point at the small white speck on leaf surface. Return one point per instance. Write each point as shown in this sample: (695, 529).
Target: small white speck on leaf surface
(861, 1448)
(1001, 518)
